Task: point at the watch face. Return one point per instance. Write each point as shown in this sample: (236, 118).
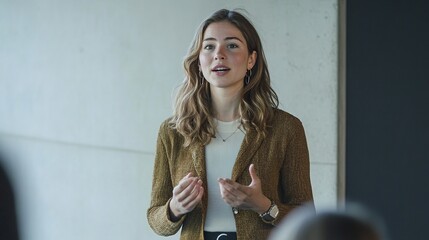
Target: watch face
(271, 215)
(274, 211)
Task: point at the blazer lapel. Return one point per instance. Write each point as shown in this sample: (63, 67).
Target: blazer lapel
(198, 158)
(248, 148)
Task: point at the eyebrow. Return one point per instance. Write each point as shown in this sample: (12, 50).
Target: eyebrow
(227, 38)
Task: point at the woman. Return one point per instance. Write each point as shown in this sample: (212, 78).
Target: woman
(229, 164)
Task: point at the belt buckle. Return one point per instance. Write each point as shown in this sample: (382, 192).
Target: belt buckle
(222, 235)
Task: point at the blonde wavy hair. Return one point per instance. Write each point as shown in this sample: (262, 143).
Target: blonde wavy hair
(193, 115)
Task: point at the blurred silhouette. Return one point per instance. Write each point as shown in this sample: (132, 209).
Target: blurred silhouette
(8, 216)
(354, 222)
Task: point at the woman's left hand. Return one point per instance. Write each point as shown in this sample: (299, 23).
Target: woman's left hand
(245, 197)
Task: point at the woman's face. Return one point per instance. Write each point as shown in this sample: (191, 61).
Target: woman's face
(224, 58)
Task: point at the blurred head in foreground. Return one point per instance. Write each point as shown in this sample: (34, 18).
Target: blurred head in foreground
(354, 222)
(8, 215)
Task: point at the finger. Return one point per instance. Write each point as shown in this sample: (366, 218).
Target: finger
(231, 185)
(191, 204)
(227, 196)
(227, 181)
(186, 180)
(180, 187)
(228, 193)
(253, 175)
(183, 183)
(183, 189)
(230, 198)
(190, 196)
(188, 190)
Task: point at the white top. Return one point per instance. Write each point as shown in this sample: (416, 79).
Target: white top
(220, 159)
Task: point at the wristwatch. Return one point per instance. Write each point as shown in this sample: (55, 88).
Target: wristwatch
(271, 214)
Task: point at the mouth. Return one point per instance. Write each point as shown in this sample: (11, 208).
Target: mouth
(220, 69)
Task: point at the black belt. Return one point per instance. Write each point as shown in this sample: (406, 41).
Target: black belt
(220, 235)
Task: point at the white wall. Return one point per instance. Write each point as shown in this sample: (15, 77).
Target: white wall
(85, 84)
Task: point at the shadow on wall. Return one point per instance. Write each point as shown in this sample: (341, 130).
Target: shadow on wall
(8, 216)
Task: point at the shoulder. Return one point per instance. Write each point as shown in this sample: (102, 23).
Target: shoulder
(165, 125)
(167, 132)
(285, 124)
(284, 118)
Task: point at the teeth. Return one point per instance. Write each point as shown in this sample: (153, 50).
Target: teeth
(221, 69)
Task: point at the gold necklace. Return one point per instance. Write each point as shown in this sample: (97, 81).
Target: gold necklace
(224, 139)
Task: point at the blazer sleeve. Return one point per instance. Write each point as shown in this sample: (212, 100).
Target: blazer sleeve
(162, 188)
(295, 172)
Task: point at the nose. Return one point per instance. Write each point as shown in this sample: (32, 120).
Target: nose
(219, 55)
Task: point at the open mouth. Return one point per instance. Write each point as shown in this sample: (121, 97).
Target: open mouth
(220, 69)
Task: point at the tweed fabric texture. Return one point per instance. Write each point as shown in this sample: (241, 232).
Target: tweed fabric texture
(281, 161)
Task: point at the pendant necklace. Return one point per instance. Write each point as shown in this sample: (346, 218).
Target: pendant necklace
(224, 139)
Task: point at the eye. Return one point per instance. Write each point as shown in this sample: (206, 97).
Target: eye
(232, 45)
(208, 47)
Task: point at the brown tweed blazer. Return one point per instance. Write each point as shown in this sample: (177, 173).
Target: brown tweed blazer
(281, 161)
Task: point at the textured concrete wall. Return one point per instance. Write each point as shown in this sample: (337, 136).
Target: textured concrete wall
(84, 86)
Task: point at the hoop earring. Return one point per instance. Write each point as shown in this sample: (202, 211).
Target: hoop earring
(248, 76)
(200, 74)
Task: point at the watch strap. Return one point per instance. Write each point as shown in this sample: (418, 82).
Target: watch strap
(266, 216)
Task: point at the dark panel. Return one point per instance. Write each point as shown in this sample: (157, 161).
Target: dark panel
(8, 214)
(387, 143)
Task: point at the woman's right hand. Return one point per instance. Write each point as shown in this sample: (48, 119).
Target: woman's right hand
(186, 195)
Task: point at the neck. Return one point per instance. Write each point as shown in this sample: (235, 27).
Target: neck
(225, 106)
